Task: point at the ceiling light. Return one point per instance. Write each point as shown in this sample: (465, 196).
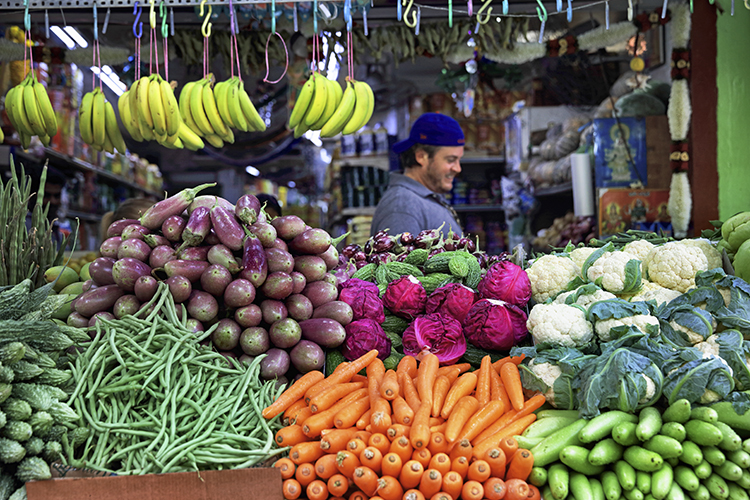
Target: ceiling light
(115, 86)
(75, 35)
(107, 69)
(64, 38)
(252, 171)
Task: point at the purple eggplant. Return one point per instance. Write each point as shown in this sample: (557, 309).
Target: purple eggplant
(180, 288)
(323, 331)
(254, 341)
(278, 286)
(280, 244)
(289, 226)
(134, 231)
(406, 238)
(215, 279)
(88, 285)
(135, 249)
(127, 271)
(349, 251)
(273, 311)
(77, 320)
(191, 269)
(194, 253)
(227, 228)
(248, 316)
(341, 276)
(172, 228)
(265, 232)
(197, 228)
(330, 278)
(239, 293)
(155, 240)
(101, 299)
(202, 306)
(99, 316)
(155, 216)
(221, 255)
(126, 305)
(254, 261)
(101, 271)
(299, 282)
(320, 292)
(145, 288)
(208, 201)
(275, 364)
(311, 266)
(194, 325)
(227, 335)
(307, 356)
(109, 247)
(279, 260)
(115, 229)
(336, 310)
(212, 239)
(247, 208)
(161, 255)
(285, 333)
(299, 307)
(330, 257)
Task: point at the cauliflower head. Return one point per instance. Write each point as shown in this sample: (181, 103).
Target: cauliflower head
(692, 336)
(712, 254)
(550, 275)
(585, 300)
(655, 292)
(710, 349)
(644, 322)
(547, 373)
(650, 390)
(639, 249)
(579, 255)
(674, 265)
(559, 324)
(612, 272)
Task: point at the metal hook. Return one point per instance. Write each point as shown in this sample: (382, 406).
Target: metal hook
(409, 4)
(171, 21)
(26, 16)
(137, 13)
(485, 7)
(96, 23)
(505, 7)
(163, 14)
(152, 14)
(46, 22)
(570, 11)
(273, 16)
(106, 21)
(541, 11)
(450, 13)
(206, 26)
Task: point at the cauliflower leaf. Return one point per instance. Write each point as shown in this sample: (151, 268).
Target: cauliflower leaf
(699, 379)
(613, 270)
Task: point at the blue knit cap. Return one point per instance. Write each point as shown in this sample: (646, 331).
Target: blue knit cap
(432, 129)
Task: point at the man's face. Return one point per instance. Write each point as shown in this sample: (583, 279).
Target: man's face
(437, 173)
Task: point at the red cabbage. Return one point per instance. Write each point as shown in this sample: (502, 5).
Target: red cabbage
(405, 297)
(363, 336)
(495, 325)
(364, 299)
(507, 282)
(453, 299)
(439, 334)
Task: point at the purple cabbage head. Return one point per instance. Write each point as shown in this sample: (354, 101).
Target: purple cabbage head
(364, 299)
(453, 299)
(439, 334)
(495, 325)
(363, 336)
(405, 297)
(507, 282)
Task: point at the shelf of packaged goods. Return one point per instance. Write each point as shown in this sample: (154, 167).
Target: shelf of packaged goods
(84, 216)
(85, 166)
(351, 212)
(553, 190)
(381, 162)
(478, 208)
(482, 160)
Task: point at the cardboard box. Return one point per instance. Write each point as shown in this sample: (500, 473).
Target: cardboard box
(255, 483)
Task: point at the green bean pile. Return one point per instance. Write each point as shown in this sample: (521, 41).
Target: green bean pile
(156, 401)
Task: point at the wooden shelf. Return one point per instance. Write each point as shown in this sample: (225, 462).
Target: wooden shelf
(482, 160)
(84, 216)
(550, 191)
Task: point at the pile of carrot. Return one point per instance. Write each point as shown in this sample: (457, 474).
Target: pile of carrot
(420, 432)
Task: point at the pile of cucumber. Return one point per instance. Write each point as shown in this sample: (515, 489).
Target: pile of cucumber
(683, 453)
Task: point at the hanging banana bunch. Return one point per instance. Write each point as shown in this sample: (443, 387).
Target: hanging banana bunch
(235, 107)
(97, 123)
(30, 111)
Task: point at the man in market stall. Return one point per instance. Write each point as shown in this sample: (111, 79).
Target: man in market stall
(431, 159)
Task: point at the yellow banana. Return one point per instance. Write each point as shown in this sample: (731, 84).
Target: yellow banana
(187, 116)
(46, 109)
(98, 119)
(254, 121)
(212, 112)
(45, 140)
(300, 129)
(85, 124)
(25, 139)
(9, 108)
(113, 129)
(215, 141)
(22, 122)
(197, 109)
(371, 107)
(318, 104)
(190, 139)
(331, 103)
(108, 146)
(343, 113)
(143, 104)
(362, 104)
(171, 107)
(2, 136)
(123, 105)
(339, 92)
(228, 137)
(32, 110)
(156, 106)
(304, 98)
(147, 133)
(222, 104)
(234, 106)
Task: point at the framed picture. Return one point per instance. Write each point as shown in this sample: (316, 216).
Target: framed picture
(651, 47)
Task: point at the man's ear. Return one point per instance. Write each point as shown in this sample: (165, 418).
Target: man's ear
(422, 157)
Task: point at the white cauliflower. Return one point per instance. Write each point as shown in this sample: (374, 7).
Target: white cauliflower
(550, 275)
(709, 397)
(643, 322)
(693, 337)
(559, 324)
(650, 390)
(656, 292)
(674, 265)
(547, 373)
(639, 249)
(710, 349)
(579, 255)
(585, 300)
(713, 256)
(611, 273)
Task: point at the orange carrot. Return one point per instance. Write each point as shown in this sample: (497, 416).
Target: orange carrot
(422, 456)
(358, 378)
(290, 435)
(431, 482)
(452, 484)
(482, 419)
(438, 443)
(516, 489)
(483, 381)
(302, 415)
(380, 418)
(293, 393)
(338, 485)
(512, 381)
(462, 448)
(495, 458)
(402, 412)
(494, 488)
(327, 397)
(363, 436)
(286, 467)
(534, 493)
(441, 495)
(291, 489)
(440, 462)
(516, 360)
(463, 386)
(513, 429)
(366, 480)
(409, 392)
(317, 490)
(439, 428)
(348, 417)
(460, 367)
(509, 445)
(389, 388)
(408, 366)
(435, 421)
(391, 464)
(325, 466)
(379, 441)
(479, 470)
(347, 462)
(413, 494)
(364, 420)
(426, 375)
(460, 465)
(290, 414)
(402, 447)
(308, 451)
(389, 488)
(314, 424)
(356, 446)
(371, 457)
(411, 474)
(439, 391)
(464, 409)
(472, 490)
(358, 495)
(419, 435)
(340, 376)
(497, 389)
(395, 431)
(520, 465)
(305, 473)
(498, 424)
